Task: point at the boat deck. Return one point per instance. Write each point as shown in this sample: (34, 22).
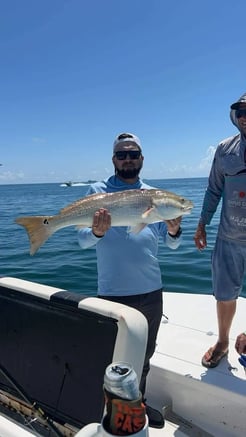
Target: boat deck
(179, 381)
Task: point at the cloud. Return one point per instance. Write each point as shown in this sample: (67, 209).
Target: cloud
(9, 176)
(206, 162)
(187, 169)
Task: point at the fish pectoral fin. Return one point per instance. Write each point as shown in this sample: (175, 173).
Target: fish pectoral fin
(148, 212)
(137, 228)
(152, 215)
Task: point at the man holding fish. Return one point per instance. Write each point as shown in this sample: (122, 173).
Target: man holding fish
(128, 268)
(124, 218)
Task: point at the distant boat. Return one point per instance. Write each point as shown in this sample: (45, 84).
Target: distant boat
(77, 184)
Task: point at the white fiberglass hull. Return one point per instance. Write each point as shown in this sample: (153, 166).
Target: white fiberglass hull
(198, 401)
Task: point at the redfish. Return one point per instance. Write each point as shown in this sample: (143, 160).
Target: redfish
(133, 208)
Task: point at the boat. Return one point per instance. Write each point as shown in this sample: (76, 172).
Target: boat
(67, 184)
(77, 184)
(55, 346)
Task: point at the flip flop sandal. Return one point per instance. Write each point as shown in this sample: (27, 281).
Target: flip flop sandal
(215, 358)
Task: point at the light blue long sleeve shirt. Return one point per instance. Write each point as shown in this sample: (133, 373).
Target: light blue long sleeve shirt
(127, 263)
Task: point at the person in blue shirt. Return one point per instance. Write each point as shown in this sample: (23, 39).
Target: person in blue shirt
(127, 264)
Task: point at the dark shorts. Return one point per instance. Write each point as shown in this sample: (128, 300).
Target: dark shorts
(228, 269)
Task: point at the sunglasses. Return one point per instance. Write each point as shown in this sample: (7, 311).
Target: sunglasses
(122, 154)
(241, 113)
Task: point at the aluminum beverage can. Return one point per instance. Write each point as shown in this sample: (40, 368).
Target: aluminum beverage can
(121, 379)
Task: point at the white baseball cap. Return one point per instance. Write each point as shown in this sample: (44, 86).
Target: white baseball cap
(126, 136)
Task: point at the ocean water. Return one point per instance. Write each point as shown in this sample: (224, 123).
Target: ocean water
(61, 263)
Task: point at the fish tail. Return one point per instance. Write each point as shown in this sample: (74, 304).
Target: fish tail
(38, 229)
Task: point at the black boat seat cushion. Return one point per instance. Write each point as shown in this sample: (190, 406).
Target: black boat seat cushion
(56, 352)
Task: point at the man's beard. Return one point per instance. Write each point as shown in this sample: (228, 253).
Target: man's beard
(129, 173)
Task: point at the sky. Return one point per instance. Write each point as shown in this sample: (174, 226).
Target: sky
(76, 73)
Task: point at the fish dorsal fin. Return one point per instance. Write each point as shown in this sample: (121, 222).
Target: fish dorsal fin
(85, 200)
